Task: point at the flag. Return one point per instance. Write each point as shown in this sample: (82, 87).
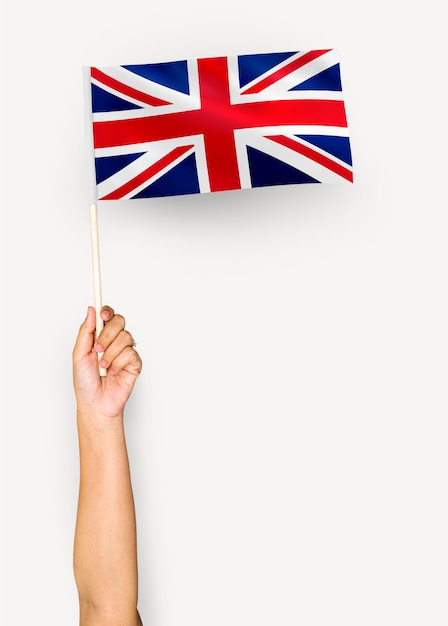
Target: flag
(216, 124)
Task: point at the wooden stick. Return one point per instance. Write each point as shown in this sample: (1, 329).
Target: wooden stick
(96, 276)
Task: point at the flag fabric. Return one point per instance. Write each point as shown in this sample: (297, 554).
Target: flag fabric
(216, 124)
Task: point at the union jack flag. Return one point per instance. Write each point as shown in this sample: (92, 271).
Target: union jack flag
(215, 124)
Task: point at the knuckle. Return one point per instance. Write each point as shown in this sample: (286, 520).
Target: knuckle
(136, 361)
(120, 319)
(133, 357)
(127, 337)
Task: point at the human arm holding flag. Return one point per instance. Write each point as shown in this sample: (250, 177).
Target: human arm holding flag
(105, 547)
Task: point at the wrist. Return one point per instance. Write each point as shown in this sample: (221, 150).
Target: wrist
(90, 419)
(99, 436)
(94, 406)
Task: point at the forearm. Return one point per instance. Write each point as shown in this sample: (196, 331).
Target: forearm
(105, 555)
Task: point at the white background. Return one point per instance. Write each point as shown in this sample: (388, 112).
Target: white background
(288, 434)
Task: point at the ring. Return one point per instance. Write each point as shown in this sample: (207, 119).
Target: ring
(134, 343)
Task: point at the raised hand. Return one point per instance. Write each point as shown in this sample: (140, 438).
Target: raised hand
(104, 396)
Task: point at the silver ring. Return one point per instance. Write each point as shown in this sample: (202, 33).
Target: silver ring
(134, 343)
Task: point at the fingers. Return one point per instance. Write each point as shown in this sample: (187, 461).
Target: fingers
(116, 343)
(122, 341)
(114, 325)
(128, 359)
(86, 334)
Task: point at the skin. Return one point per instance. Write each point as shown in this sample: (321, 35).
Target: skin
(105, 546)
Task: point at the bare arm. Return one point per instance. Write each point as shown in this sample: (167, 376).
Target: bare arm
(105, 548)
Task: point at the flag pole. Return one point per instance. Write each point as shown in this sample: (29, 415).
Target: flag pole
(93, 208)
(96, 276)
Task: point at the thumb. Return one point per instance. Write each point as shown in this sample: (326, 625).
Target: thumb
(86, 336)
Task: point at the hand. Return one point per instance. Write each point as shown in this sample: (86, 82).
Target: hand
(104, 396)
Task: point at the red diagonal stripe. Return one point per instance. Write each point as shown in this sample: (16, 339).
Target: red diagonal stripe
(125, 89)
(287, 69)
(313, 155)
(150, 171)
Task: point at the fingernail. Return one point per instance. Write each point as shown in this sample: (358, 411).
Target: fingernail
(103, 363)
(98, 347)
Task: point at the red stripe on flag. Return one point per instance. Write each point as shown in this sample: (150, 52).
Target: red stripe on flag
(287, 69)
(313, 155)
(125, 89)
(217, 122)
(250, 115)
(150, 171)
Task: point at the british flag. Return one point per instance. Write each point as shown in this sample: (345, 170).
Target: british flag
(220, 123)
